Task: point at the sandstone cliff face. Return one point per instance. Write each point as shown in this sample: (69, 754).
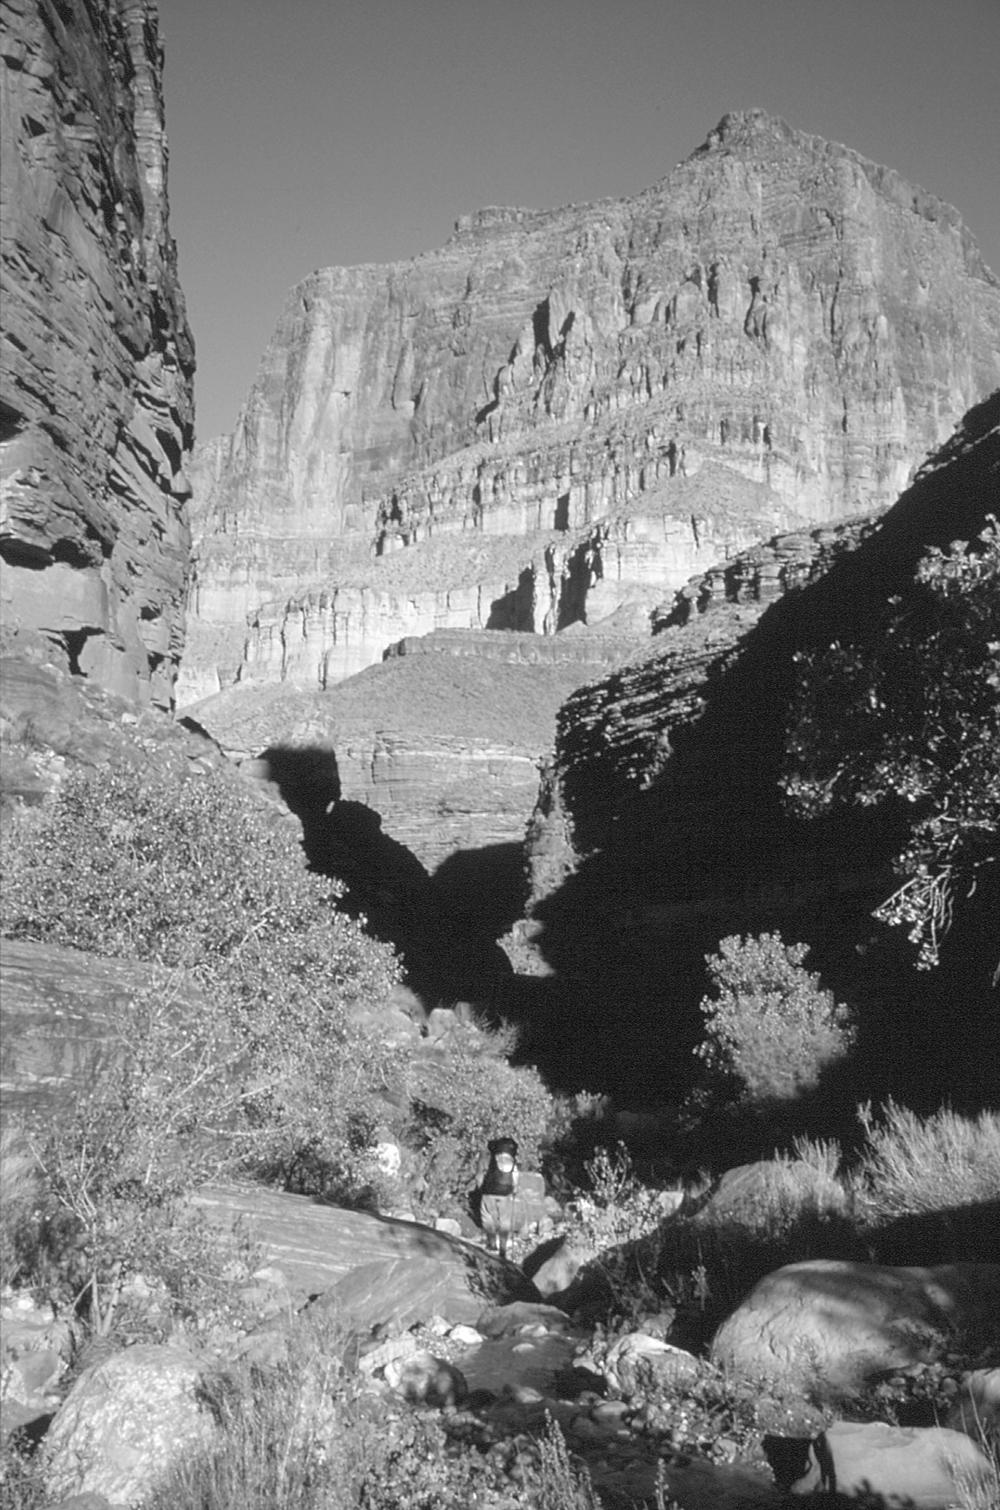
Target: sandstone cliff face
(97, 357)
(777, 309)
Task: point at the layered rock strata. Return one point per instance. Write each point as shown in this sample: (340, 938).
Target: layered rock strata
(443, 741)
(97, 356)
(801, 321)
(537, 583)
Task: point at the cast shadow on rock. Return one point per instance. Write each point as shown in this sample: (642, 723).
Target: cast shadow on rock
(486, 886)
(446, 958)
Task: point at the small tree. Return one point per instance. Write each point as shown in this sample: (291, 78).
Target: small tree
(913, 713)
(771, 1027)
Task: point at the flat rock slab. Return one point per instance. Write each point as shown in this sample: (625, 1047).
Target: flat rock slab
(404, 1292)
(916, 1468)
(316, 1246)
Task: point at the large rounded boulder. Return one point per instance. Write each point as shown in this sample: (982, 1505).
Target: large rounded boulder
(826, 1327)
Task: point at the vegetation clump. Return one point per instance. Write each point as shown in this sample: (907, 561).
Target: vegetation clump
(869, 728)
(772, 1029)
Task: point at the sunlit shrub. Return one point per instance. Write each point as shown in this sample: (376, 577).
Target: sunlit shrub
(202, 876)
(772, 1029)
(914, 1165)
(198, 874)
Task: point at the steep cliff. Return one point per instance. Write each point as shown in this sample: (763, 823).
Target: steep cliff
(778, 314)
(662, 825)
(97, 357)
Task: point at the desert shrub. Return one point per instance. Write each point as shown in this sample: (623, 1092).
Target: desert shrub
(772, 1029)
(196, 873)
(699, 1262)
(912, 1166)
(108, 1175)
(22, 1483)
(617, 1207)
(201, 876)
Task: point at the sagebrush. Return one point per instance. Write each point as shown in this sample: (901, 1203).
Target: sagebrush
(771, 1027)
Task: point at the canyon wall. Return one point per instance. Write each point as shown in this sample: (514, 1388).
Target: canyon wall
(98, 362)
(791, 324)
(661, 826)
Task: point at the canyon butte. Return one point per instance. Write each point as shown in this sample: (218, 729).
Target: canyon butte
(562, 500)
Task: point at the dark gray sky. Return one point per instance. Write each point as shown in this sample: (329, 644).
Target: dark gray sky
(310, 133)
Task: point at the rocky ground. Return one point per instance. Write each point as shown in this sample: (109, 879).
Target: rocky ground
(645, 1417)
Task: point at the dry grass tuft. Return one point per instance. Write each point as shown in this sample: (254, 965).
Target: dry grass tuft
(915, 1166)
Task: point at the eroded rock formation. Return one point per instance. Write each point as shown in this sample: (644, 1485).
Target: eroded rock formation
(97, 356)
(512, 432)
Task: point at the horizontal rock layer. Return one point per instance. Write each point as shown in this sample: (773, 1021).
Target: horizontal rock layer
(443, 740)
(97, 357)
(539, 582)
(776, 306)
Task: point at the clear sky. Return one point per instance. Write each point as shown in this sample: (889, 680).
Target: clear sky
(310, 133)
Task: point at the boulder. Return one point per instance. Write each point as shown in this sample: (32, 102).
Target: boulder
(34, 1347)
(827, 1326)
(638, 1358)
(84, 1502)
(125, 1423)
(531, 1210)
(752, 1191)
(400, 1293)
(395, 1350)
(316, 1245)
(976, 1410)
(509, 1320)
(561, 1261)
(898, 1468)
(698, 1485)
(425, 1380)
(59, 1019)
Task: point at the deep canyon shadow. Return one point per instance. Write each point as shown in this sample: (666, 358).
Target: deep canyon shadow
(675, 861)
(486, 887)
(447, 954)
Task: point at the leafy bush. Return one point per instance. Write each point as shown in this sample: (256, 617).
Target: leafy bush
(866, 730)
(202, 876)
(199, 874)
(771, 1027)
(20, 1199)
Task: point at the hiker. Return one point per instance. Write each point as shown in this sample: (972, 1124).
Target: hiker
(497, 1190)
